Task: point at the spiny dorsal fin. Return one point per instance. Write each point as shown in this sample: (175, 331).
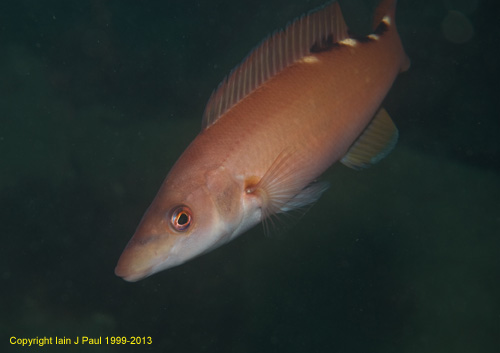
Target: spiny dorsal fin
(376, 142)
(317, 29)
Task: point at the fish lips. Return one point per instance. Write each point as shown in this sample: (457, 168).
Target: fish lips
(142, 257)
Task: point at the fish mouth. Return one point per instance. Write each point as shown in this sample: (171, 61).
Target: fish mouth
(140, 257)
(137, 262)
(129, 274)
(148, 254)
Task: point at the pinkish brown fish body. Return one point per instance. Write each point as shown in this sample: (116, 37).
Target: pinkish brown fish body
(305, 98)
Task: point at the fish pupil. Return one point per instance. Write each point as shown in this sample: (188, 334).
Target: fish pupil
(183, 219)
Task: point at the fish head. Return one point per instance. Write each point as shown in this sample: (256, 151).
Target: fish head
(186, 219)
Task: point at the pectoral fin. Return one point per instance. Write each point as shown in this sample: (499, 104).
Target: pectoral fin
(376, 142)
(284, 187)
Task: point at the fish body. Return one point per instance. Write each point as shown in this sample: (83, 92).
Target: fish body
(303, 100)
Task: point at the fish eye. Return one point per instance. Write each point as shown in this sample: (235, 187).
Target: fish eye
(181, 218)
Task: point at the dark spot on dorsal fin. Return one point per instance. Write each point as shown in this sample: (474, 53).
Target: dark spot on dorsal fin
(324, 45)
(361, 39)
(381, 28)
(379, 31)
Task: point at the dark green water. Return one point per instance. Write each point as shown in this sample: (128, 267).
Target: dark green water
(99, 98)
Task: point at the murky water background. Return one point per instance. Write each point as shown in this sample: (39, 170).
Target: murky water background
(99, 98)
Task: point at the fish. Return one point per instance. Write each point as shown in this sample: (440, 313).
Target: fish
(306, 97)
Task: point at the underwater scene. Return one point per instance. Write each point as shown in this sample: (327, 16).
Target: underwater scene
(98, 99)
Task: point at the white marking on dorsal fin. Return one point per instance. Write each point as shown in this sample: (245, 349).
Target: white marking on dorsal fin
(349, 41)
(310, 59)
(319, 29)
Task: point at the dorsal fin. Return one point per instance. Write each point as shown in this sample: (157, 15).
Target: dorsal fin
(384, 8)
(322, 27)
